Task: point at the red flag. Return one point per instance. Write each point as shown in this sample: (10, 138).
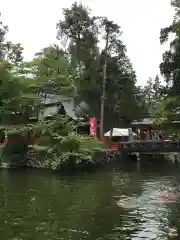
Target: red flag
(93, 126)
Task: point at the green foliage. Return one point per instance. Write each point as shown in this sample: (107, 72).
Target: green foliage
(170, 67)
(168, 108)
(82, 32)
(72, 72)
(61, 146)
(9, 51)
(12, 96)
(22, 90)
(53, 69)
(151, 95)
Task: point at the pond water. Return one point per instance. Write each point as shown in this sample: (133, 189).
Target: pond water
(45, 206)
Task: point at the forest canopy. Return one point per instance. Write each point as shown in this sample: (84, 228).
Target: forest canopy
(76, 71)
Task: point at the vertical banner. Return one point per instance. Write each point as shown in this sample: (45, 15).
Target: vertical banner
(93, 125)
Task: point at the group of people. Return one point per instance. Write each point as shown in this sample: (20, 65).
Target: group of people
(153, 136)
(146, 135)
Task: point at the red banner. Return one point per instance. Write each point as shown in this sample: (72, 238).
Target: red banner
(93, 126)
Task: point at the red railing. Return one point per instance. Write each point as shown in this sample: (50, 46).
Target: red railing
(114, 146)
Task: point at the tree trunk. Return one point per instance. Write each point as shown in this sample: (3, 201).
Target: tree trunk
(104, 88)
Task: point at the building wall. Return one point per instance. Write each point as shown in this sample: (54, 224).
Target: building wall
(54, 99)
(48, 111)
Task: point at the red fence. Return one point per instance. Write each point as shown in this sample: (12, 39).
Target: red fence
(114, 146)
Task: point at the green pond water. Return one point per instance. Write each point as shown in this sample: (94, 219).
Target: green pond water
(45, 206)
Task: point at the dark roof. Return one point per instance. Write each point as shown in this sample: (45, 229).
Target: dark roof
(145, 121)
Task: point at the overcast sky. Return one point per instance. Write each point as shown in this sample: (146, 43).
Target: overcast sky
(33, 23)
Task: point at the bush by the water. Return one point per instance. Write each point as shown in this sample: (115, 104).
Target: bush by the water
(56, 145)
(61, 145)
(68, 151)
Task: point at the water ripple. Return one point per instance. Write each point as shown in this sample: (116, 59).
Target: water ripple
(109, 205)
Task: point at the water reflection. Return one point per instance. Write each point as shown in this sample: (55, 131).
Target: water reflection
(40, 205)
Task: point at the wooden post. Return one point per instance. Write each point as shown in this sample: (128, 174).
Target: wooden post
(104, 86)
(175, 158)
(141, 133)
(138, 156)
(138, 161)
(111, 134)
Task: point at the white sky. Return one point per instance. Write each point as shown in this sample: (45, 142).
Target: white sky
(33, 23)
